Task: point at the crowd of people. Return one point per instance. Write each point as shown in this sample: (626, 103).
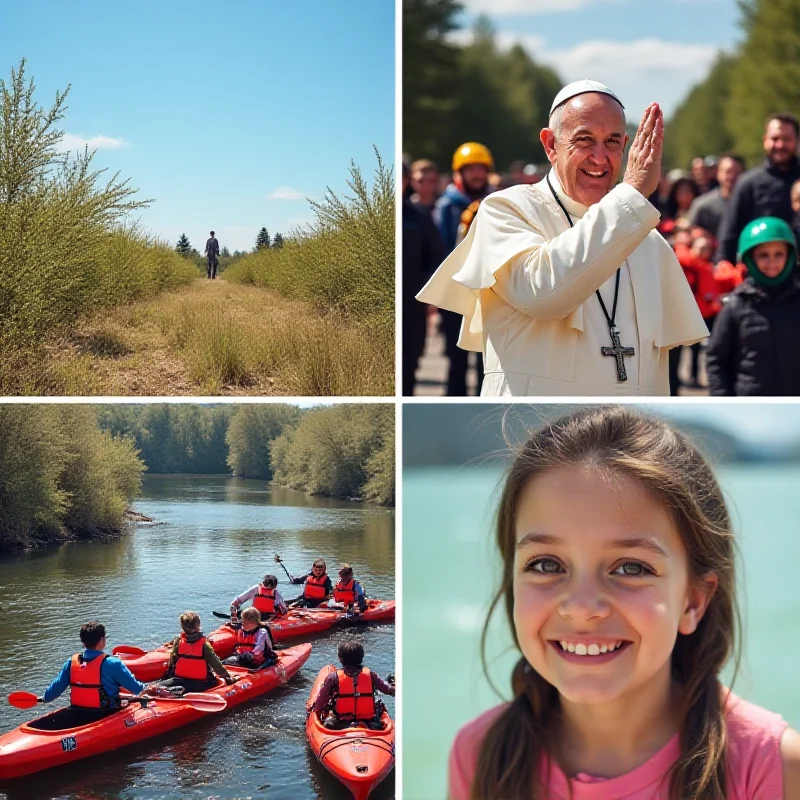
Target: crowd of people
(726, 225)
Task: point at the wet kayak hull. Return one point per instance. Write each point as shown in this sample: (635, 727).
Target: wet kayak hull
(27, 749)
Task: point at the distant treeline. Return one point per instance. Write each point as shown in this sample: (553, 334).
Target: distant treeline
(65, 250)
(727, 110)
(437, 435)
(70, 471)
(340, 451)
(476, 92)
(62, 477)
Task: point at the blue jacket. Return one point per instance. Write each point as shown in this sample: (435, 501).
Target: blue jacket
(447, 214)
(113, 675)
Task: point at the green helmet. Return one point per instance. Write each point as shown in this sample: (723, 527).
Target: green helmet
(760, 231)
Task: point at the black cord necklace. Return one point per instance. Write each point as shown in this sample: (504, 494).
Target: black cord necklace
(616, 350)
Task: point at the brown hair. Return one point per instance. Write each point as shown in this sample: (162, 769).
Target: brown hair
(190, 621)
(618, 439)
(251, 614)
(424, 165)
(787, 119)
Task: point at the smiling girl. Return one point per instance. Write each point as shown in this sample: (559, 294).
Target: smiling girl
(618, 583)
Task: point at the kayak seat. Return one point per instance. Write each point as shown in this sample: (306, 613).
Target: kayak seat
(69, 717)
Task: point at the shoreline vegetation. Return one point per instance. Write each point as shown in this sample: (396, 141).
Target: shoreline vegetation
(90, 304)
(71, 472)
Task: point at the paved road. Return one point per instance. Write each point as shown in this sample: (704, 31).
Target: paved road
(432, 370)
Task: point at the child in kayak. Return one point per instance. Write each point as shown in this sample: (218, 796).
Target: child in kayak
(619, 588)
(348, 593)
(254, 643)
(317, 587)
(753, 347)
(193, 662)
(94, 680)
(265, 596)
(349, 693)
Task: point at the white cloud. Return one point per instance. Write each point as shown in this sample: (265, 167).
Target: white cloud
(286, 193)
(498, 8)
(75, 141)
(639, 71)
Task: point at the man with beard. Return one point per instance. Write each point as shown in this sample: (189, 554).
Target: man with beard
(472, 163)
(565, 285)
(763, 191)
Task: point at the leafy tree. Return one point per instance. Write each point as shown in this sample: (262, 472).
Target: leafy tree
(430, 74)
(698, 127)
(184, 246)
(262, 240)
(225, 253)
(766, 77)
(277, 242)
(252, 430)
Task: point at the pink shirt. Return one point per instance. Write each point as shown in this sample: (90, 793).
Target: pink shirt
(754, 762)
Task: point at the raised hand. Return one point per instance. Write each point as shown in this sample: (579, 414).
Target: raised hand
(643, 170)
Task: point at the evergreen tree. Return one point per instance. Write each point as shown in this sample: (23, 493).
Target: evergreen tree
(766, 77)
(430, 74)
(262, 240)
(184, 247)
(277, 242)
(225, 253)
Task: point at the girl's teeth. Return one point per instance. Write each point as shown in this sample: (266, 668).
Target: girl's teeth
(592, 649)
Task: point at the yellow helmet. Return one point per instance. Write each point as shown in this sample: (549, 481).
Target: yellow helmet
(472, 153)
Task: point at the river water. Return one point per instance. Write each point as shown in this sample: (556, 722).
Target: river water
(216, 536)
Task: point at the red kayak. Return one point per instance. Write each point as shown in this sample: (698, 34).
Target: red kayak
(30, 748)
(358, 757)
(150, 666)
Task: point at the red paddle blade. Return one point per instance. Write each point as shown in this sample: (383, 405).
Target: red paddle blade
(203, 702)
(22, 699)
(128, 650)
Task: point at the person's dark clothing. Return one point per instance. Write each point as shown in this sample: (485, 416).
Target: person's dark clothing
(753, 348)
(422, 253)
(447, 215)
(761, 192)
(303, 602)
(189, 684)
(707, 211)
(212, 251)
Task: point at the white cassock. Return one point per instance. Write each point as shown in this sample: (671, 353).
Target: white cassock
(525, 284)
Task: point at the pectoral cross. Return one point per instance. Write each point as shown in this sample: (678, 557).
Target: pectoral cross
(618, 351)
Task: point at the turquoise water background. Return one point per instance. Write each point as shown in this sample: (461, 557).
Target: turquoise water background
(449, 570)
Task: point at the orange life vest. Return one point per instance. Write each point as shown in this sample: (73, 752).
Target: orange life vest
(314, 588)
(345, 592)
(191, 663)
(356, 699)
(246, 643)
(264, 600)
(85, 687)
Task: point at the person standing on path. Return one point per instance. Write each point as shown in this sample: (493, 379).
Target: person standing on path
(212, 252)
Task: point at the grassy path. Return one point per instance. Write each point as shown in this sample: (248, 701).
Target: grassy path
(218, 338)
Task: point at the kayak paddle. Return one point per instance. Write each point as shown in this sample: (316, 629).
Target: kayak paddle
(128, 650)
(278, 560)
(198, 701)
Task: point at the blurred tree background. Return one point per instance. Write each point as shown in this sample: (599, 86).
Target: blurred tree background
(460, 92)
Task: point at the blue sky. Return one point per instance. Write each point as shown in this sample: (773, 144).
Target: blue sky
(229, 114)
(644, 50)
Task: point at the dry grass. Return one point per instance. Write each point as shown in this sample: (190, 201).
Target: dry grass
(216, 338)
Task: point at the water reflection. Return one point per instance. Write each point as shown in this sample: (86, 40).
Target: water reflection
(216, 537)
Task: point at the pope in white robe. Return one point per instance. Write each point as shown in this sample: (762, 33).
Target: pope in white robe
(525, 280)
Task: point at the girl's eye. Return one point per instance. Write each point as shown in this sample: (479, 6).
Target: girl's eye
(547, 566)
(633, 569)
